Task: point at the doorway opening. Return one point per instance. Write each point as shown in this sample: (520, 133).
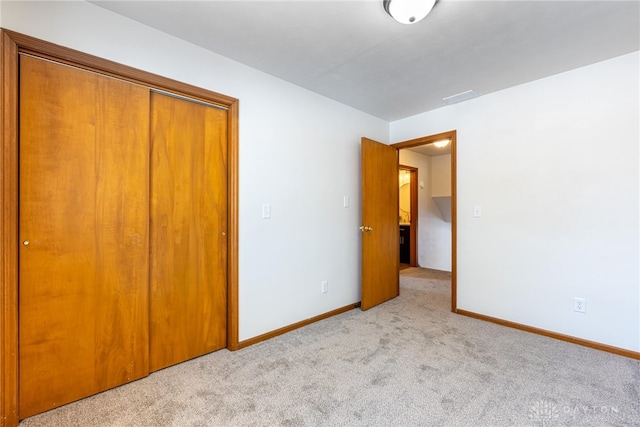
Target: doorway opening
(435, 202)
(408, 215)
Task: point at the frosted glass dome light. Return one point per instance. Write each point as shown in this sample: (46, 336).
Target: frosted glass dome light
(408, 11)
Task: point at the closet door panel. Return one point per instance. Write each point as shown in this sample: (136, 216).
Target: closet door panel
(84, 185)
(188, 230)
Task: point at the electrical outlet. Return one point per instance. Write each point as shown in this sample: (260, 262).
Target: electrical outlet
(579, 305)
(325, 286)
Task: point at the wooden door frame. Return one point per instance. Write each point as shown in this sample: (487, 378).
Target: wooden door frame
(413, 215)
(12, 44)
(451, 135)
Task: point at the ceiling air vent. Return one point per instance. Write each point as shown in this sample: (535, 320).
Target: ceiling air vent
(462, 96)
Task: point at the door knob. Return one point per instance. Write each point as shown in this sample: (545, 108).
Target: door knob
(365, 228)
(26, 243)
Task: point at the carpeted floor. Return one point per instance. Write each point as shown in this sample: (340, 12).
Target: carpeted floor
(407, 362)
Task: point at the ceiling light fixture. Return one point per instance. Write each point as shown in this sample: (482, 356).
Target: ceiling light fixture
(442, 143)
(408, 11)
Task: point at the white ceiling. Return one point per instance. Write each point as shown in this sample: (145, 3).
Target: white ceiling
(353, 52)
(430, 150)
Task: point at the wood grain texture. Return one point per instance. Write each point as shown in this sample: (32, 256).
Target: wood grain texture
(454, 220)
(233, 141)
(12, 44)
(188, 230)
(380, 260)
(9, 234)
(84, 210)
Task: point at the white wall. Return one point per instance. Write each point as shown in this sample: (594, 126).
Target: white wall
(434, 234)
(298, 151)
(554, 165)
(441, 175)
(438, 230)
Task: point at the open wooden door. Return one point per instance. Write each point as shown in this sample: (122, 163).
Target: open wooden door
(380, 229)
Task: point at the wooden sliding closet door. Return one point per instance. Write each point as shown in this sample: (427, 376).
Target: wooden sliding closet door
(188, 230)
(84, 185)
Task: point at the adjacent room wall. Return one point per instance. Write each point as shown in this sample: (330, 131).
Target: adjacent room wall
(438, 231)
(441, 175)
(299, 152)
(554, 164)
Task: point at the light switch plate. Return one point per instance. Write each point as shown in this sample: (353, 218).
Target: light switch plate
(266, 211)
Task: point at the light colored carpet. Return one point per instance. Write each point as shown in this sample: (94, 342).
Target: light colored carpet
(408, 362)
